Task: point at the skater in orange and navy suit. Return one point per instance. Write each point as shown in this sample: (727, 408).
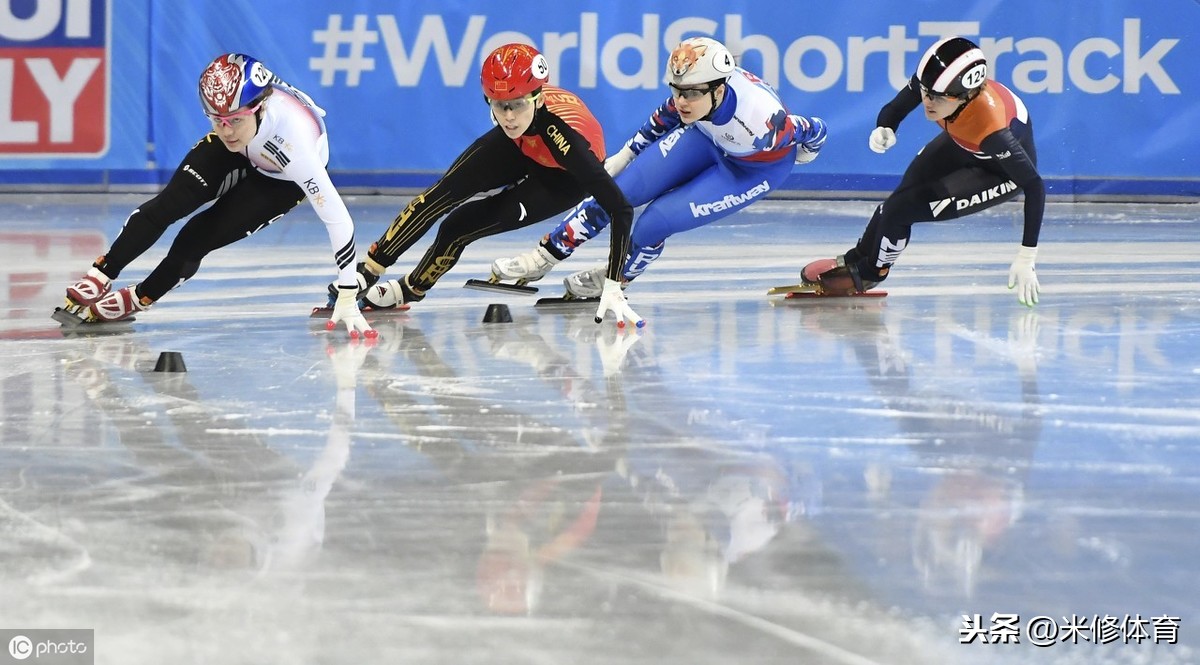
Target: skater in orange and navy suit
(985, 156)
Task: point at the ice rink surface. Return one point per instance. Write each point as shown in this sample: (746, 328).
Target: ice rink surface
(746, 480)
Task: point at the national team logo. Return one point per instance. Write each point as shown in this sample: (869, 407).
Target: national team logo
(55, 59)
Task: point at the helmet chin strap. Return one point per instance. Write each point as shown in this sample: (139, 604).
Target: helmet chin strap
(712, 95)
(537, 107)
(262, 108)
(966, 100)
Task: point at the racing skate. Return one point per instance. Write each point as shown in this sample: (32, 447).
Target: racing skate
(493, 283)
(828, 278)
(566, 301)
(79, 311)
(73, 319)
(376, 298)
(368, 310)
(521, 269)
(797, 291)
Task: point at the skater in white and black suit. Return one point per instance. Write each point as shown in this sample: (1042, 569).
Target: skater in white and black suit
(985, 156)
(266, 153)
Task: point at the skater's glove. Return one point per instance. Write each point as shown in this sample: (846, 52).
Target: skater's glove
(619, 161)
(345, 310)
(1022, 276)
(612, 299)
(882, 138)
(804, 156)
(813, 132)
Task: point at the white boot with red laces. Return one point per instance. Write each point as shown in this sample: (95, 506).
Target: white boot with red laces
(117, 306)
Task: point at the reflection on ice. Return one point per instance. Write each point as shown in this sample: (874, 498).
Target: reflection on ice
(742, 480)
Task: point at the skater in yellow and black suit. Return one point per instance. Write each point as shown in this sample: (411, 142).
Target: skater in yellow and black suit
(546, 151)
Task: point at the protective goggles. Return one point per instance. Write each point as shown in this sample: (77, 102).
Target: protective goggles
(691, 94)
(926, 92)
(234, 119)
(515, 105)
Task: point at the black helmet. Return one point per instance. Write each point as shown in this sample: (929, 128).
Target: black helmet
(952, 67)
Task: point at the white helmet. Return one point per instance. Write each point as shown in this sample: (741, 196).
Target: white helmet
(699, 60)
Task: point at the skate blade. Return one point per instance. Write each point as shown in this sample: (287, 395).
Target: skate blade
(809, 294)
(793, 288)
(797, 291)
(73, 324)
(498, 287)
(565, 303)
(66, 318)
(368, 313)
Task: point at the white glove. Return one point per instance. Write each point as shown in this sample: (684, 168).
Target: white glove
(612, 298)
(803, 156)
(1022, 276)
(814, 131)
(619, 161)
(345, 309)
(882, 138)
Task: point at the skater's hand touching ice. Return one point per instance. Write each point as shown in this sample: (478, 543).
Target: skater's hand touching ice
(345, 310)
(612, 299)
(1022, 276)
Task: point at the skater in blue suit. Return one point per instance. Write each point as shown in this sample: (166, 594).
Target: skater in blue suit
(720, 142)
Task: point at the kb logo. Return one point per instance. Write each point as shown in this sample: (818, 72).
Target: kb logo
(20, 647)
(54, 81)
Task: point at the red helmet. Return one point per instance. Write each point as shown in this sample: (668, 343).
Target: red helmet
(513, 71)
